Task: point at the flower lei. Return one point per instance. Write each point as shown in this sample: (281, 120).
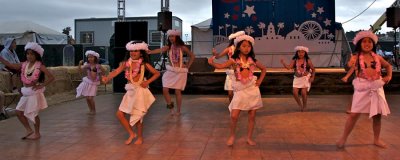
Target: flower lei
(33, 71)
(174, 57)
(240, 64)
(133, 70)
(298, 68)
(377, 67)
(89, 69)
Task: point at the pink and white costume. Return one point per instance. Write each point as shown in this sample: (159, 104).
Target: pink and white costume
(302, 82)
(175, 77)
(301, 77)
(32, 101)
(88, 87)
(137, 100)
(246, 95)
(369, 97)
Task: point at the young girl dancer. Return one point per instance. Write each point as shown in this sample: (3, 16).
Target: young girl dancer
(304, 74)
(32, 101)
(176, 75)
(229, 52)
(138, 97)
(88, 86)
(247, 96)
(369, 96)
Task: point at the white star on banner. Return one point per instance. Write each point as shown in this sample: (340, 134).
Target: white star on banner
(327, 22)
(249, 10)
(331, 36)
(320, 10)
(313, 15)
(227, 15)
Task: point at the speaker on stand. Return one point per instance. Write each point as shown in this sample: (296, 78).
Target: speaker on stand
(125, 32)
(164, 23)
(393, 20)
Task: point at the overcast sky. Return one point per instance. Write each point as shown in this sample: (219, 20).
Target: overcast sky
(58, 14)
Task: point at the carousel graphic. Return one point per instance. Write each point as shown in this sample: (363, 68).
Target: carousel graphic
(314, 32)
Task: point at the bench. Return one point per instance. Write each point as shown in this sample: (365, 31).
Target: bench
(9, 98)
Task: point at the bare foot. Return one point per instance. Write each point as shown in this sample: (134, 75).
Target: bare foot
(129, 140)
(33, 136)
(177, 113)
(139, 141)
(340, 144)
(251, 142)
(381, 144)
(230, 141)
(27, 135)
(91, 113)
(348, 111)
(172, 112)
(301, 108)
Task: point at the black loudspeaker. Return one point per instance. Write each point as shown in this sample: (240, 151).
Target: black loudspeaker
(119, 81)
(124, 33)
(128, 31)
(164, 21)
(393, 17)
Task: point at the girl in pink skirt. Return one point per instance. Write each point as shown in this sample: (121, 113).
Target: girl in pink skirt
(369, 96)
(88, 86)
(175, 76)
(138, 98)
(32, 101)
(247, 96)
(304, 74)
(229, 52)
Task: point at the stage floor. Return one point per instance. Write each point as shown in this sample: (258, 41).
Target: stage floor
(201, 131)
(284, 70)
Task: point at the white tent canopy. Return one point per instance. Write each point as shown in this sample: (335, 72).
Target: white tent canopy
(26, 31)
(202, 38)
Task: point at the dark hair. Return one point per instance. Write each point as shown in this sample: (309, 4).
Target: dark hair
(96, 60)
(38, 58)
(143, 54)
(358, 45)
(231, 42)
(306, 58)
(296, 56)
(358, 51)
(178, 41)
(237, 51)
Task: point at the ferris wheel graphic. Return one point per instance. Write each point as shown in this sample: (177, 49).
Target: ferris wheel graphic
(311, 30)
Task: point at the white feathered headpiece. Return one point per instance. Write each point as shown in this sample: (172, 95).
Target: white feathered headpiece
(173, 32)
(242, 38)
(131, 46)
(234, 35)
(301, 48)
(36, 47)
(362, 34)
(93, 53)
